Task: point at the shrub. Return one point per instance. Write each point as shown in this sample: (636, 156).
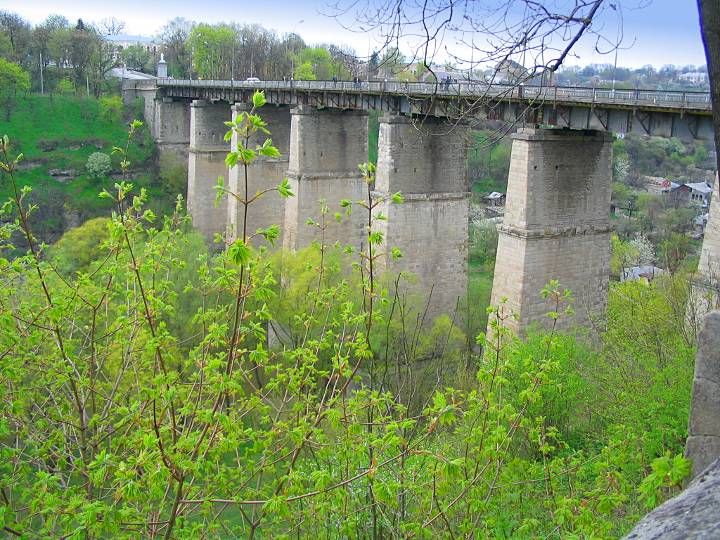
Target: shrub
(111, 108)
(66, 87)
(98, 165)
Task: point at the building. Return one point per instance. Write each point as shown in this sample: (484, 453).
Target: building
(495, 199)
(694, 77)
(645, 273)
(691, 193)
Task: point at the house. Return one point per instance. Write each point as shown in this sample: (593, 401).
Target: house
(646, 273)
(694, 77)
(691, 193)
(495, 199)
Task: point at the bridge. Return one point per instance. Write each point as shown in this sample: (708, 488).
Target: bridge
(556, 224)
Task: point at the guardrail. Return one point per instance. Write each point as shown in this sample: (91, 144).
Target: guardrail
(661, 98)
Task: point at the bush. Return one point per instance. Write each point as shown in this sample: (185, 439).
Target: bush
(98, 165)
(111, 108)
(65, 87)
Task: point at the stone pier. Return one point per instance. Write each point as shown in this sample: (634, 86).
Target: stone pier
(326, 146)
(264, 173)
(705, 291)
(206, 162)
(171, 128)
(426, 162)
(556, 224)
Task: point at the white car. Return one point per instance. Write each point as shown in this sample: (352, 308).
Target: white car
(252, 80)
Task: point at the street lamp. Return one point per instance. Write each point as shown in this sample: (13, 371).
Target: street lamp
(617, 46)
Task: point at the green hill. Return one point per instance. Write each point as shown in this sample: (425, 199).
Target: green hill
(57, 135)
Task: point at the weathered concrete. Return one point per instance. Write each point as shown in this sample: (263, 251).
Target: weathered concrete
(427, 164)
(326, 146)
(556, 224)
(692, 514)
(172, 128)
(703, 444)
(264, 173)
(205, 164)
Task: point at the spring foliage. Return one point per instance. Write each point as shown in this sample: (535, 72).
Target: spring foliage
(141, 396)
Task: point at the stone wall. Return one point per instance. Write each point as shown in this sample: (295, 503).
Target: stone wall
(703, 444)
(426, 162)
(206, 163)
(265, 173)
(172, 128)
(556, 224)
(326, 147)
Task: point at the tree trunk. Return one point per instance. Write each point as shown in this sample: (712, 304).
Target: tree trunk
(710, 28)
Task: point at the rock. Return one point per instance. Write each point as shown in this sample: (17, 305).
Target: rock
(695, 513)
(703, 444)
(61, 172)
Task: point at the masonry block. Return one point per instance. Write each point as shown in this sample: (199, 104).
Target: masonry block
(426, 162)
(264, 173)
(556, 224)
(206, 162)
(326, 147)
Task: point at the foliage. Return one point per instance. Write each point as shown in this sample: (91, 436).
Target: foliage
(66, 86)
(111, 108)
(142, 395)
(78, 247)
(98, 165)
(14, 80)
(138, 58)
(211, 46)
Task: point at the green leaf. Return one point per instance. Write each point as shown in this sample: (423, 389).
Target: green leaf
(284, 188)
(258, 99)
(239, 252)
(397, 198)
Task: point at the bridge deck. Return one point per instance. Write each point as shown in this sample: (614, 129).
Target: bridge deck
(658, 100)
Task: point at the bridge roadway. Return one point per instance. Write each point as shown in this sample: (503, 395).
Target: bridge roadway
(665, 113)
(556, 224)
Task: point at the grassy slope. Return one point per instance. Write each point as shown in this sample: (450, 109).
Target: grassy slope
(76, 127)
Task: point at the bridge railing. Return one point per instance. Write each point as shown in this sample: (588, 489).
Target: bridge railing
(669, 98)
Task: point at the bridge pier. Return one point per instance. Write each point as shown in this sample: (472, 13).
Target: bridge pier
(326, 147)
(206, 162)
(556, 225)
(264, 173)
(427, 164)
(171, 127)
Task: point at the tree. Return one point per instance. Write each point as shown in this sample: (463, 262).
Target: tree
(18, 33)
(174, 36)
(212, 49)
(14, 80)
(137, 57)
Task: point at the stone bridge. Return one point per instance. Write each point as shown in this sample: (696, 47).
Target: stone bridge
(556, 224)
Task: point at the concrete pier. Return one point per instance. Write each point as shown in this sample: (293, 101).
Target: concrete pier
(326, 147)
(426, 162)
(206, 163)
(556, 224)
(171, 128)
(264, 173)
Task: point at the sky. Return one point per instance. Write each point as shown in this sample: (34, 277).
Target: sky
(662, 32)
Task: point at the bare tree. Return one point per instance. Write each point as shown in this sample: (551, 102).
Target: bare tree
(111, 26)
(527, 37)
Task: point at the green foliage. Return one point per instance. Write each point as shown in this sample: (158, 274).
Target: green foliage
(98, 165)
(111, 108)
(78, 247)
(65, 87)
(14, 81)
(211, 46)
(153, 388)
(316, 63)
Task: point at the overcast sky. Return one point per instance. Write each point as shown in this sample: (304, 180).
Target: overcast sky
(663, 32)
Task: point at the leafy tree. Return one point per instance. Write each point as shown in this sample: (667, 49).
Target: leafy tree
(212, 48)
(14, 80)
(137, 57)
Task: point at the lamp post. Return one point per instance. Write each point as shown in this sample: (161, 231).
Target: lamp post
(617, 46)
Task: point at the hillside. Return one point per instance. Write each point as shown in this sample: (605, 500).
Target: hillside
(57, 134)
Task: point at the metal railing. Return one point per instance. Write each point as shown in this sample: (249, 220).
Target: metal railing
(660, 98)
